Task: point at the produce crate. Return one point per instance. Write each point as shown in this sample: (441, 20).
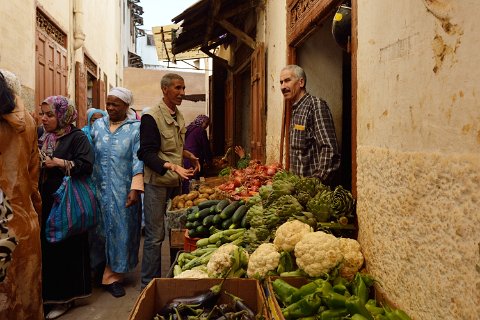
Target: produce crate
(273, 305)
(177, 238)
(190, 244)
(161, 290)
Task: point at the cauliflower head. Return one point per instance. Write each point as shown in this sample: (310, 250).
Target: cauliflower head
(290, 233)
(194, 273)
(352, 257)
(228, 260)
(264, 259)
(318, 253)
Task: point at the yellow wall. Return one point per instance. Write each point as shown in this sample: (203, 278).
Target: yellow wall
(419, 153)
(17, 47)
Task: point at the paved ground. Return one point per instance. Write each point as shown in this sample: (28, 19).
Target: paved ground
(101, 305)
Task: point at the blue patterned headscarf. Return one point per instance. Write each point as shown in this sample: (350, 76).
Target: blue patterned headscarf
(88, 126)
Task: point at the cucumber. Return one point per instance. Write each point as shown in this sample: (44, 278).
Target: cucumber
(189, 225)
(229, 210)
(207, 221)
(239, 213)
(207, 204)
(201, 230)
(202, 214)
(221, 205)
(226, 223)
(194, 209)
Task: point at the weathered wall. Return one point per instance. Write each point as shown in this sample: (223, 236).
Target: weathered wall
(145, 86)
(419, 153)
(17, 47)
(274, 36)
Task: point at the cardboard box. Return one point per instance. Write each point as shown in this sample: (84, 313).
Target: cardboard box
(273, 304)
(161, 290)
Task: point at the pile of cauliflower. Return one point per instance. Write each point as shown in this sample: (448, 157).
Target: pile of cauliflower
(228, 261)
(316, 253)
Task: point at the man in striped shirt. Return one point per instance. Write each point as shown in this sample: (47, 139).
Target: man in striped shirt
(313, 142)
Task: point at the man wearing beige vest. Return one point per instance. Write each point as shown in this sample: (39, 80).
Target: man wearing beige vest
(162, 136)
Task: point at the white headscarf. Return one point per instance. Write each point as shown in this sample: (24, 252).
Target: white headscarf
(123, 94)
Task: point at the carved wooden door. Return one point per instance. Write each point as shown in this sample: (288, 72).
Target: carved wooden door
(258, 116)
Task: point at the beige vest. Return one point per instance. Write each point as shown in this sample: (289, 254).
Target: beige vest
(172, 139)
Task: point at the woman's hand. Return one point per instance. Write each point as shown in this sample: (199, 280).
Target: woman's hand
(196, 164)
(132, 198)
(54, 162)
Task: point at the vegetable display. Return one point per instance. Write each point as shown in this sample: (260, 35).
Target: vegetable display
(333, 298)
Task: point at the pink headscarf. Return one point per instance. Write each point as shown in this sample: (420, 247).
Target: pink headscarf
(66, 114)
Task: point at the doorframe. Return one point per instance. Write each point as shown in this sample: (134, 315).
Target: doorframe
(303, 17)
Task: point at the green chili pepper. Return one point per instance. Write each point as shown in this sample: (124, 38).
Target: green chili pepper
(333, 314)
(311, 287)
(360, 289)
(372, 307)
(334, 300)
(283, 291)
(355, 305)
(395, 314)
(304, 307)
(380, 317)
(358, 317)
(340, 288)
(401, 314)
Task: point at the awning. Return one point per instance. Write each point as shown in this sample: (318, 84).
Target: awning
(209, 23)
(163, 42)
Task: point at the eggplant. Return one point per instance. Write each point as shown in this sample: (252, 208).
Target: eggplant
(205, 299)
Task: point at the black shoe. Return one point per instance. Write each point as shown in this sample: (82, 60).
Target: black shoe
(115, 289)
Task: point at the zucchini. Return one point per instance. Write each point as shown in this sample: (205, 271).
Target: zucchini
(239, 213)
(201, 230)
(226, 223)
(202, 214)
(216, 219)
(191, 217)
(189, 225)
(244, 223)
(229, 210)
(202, 243)
(221, 205)
(196, 223)
(192, 233)
(207, 204)
(207, 221)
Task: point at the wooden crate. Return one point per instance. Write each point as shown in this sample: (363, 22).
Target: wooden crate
(177, 238)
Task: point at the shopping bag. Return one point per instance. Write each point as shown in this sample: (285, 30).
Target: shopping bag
(74, 209)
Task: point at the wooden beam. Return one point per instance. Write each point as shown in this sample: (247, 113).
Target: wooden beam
(238, 33)
(218, 59)
(239, 9)
(212, 14)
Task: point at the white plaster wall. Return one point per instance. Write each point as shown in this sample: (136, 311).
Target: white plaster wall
(419, 153)
(17, 47)
(102, 21)
(274, 36)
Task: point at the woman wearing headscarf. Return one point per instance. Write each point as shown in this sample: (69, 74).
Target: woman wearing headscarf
(119, 180)
(92, 115)
(196, 141)
(66, 267)
(21, 290)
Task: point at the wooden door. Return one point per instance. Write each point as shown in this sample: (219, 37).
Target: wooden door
(51, 70)
(258, 111)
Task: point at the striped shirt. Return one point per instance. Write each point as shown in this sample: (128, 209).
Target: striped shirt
(313, 142)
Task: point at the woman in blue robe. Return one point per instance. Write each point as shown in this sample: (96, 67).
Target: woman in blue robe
(119, 181)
